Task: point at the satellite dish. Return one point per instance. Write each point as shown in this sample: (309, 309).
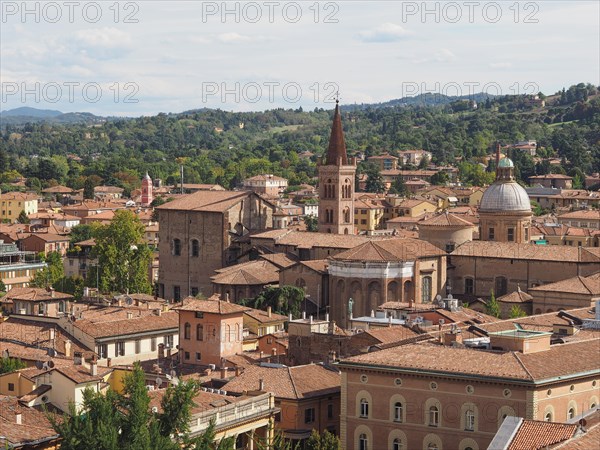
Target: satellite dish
(50, 364)
(582, 422)
(159, 381)
(39, 364)
(438, 297)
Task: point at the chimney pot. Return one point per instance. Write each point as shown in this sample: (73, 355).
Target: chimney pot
(18, 418)
(68, 348)
(129, 314)
(223, 372)
(269, 311)
(93, 368)
(261, 385)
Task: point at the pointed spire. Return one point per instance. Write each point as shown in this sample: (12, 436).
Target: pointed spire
(337, 145)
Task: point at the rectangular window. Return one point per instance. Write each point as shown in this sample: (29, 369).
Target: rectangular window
(138, 346)
(526, 234)
(11, 386)
(198, 356)
(511, 235)
(491, 234)
(176, 293)
(168, 341)
(120, 348)
(153, 344)
(102, 351)
(194, 291)
(469, 286)
(309, 415)
(199, 315)
(187, 355)
(470, 421)
(330, 411)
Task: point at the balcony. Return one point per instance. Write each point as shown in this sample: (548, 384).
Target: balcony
(255, 408)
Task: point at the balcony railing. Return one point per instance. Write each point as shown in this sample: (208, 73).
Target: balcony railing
(233, 413)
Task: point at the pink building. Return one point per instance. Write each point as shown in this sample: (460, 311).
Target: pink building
(147, 196)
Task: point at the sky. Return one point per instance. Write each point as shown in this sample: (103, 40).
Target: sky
(144, 57)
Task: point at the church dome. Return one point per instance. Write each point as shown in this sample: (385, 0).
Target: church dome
(506, 162)
(505, 196)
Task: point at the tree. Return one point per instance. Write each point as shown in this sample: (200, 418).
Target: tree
(88, 189)
(83, 232)
(50, 274)
(398, 187)
(516, 312)
(311, 222)
(23, 217)
(374, 182)
(283, 300)
(2, 287)
(123, 258)
(11, 364)
(115, 421)
(492, 308)
(325, 441)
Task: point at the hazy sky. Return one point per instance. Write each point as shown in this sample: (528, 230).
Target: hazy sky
(145, 57)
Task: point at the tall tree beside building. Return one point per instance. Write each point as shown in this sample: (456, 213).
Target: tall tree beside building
(123, 258)
(50, 274)
(492, 307)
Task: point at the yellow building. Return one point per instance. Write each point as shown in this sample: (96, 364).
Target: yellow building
(369, 213)
(12, 203)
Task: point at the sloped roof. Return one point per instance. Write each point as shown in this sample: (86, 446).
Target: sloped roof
(259, 272)
(212, 305)
(537, 435)
(446, 220)
(576, 285)
(516, 297)
(208, 201)
(337, 145)
(35, 295)
(299, 382)
(513, 250)
(390, 250)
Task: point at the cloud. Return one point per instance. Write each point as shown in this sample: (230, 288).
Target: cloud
(387, 32)
(443, 55)
(107, 37)
(500, 65)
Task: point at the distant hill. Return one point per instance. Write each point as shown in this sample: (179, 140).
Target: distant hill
(428, 99)
(31, 112)
(26, 114)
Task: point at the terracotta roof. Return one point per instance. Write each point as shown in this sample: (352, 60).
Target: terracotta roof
(58, 190)
(209, 201)
(108, 321)
(49, 237)
(203, 401)
(551, 176)
(304, 239)
(263, 316)
(109, 189)
(576, 285)
(318, 265)
(446, 220)
(265, 177)
(19, 196)
(81, 374)
(390, 250)
(559, 361)
(30, 339)
(587, 441)
(212, 305)
(31, 294)
(298, 382)
(391, 335)
(34, 427)
(516, 297)
(538, 435)
(582, 214)
(259, 272)
(281, 260)
(337, 145)
(510, 250)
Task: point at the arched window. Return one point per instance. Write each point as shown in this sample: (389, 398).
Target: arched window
(398, 410)
(426, 290)
(228, 333)
(470, 420)
(397, 444)
(187, 329)
(176, 247)
(434, 416)
(548, 417)
(432, 447)
(570, 413)
(195, 248)
(364, 408)
(199, 332)
(363, 442)
(237, 332)
(347, 215)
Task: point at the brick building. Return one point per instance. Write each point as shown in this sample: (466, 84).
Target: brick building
(199, 234)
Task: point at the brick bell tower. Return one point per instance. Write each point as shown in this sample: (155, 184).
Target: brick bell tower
(147, 196)
(336, 183)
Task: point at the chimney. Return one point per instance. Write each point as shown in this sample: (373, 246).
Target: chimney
(304, 315)
(51, 334)
(18, 418)
(119, 302)
(238, 371)
(261, 355)
(52, 292)
(223, 372)
(269, 312)
(129, 314)
(165, 307)
(77, 358)
(331, 327)
(326, 317)
(311, 319)
(93, 367)
(158, 312)
(68, 348)
(227, 297)
(290, 317)
(261, 385)
(161, 351)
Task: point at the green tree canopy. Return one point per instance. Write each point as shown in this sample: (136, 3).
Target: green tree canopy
(50, 274)
(123, 257)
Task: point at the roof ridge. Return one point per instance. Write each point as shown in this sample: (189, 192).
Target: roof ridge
(523, 365)
(292, 381)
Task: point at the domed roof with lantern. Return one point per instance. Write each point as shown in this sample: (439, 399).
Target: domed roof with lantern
(505, 194)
